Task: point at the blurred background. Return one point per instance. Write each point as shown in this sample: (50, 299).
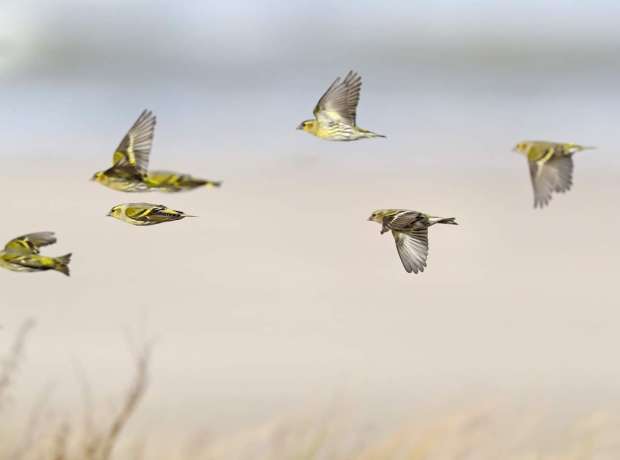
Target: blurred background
(281, 296)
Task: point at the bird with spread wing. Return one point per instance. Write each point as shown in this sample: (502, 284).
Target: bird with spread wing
(551, 167)
(335, 113)
(130, 162)
(22, 254)
(410, 232)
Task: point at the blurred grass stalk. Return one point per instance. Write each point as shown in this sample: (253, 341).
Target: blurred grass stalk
(61, 440)
(457, 435)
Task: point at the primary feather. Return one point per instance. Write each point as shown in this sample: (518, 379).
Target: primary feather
(339, 102)
(130, 161)
(135, 147)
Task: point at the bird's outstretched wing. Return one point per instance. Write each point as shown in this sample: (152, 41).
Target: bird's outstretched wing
(555, 175)
(134, 150)
(339, 103)
(30, 243)
(413, 249)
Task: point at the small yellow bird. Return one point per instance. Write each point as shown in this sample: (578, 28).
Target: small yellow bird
(410, 232)
(21, 254)
(551, 167)
(131, 158)
(335, 113)
(145, 213)
(168, 181)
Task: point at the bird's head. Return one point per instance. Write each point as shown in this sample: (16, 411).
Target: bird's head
(378, 215)
(99, 176)
(522, 147)
(307, 125)
(116, 211)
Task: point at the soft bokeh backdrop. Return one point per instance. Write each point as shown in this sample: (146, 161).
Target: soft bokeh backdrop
(281, 294)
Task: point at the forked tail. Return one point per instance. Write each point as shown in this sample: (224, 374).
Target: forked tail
(581, 148)
(211, 183)
(370, 134)
(61, 264)
(443, 220)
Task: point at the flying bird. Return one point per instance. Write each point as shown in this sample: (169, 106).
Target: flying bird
(130, 161)
(168, 181)
(335, 113)
(551, 167)
(410, 231)
(22, 254)
(145, 213)
(130, 164)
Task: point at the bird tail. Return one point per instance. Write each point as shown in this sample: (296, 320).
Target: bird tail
(443, 220)
(580, 148)
(370, 134)
(192, 182)
(210, 183)
(61, 264)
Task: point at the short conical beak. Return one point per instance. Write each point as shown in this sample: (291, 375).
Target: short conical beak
(300, 126)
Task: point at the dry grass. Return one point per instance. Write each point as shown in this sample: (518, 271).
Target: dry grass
(60, 440)
(524, 433)
(10, 364)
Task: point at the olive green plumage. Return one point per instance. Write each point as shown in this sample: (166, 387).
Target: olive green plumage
(168, 181)
(142, 214)
(551, 167)
(22, 254)
(410, 232)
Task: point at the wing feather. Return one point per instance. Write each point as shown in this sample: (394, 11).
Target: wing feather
(406, 220)
(134, 150)
(339, 103)
(412, 249)
(553, 176)
(30, 243)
